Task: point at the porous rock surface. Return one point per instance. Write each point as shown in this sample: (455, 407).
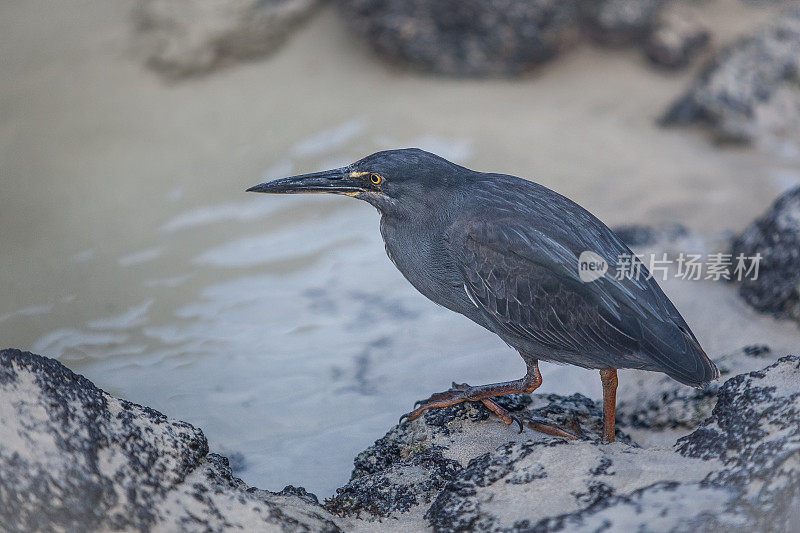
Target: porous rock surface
(179, 38)
(651, 404)
(459, 469)
(776, 236)
(73, 458)
(751, 91)
(412, 463)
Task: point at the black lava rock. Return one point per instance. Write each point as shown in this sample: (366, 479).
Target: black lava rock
(466, 37)
(776, 236)
(73, 458)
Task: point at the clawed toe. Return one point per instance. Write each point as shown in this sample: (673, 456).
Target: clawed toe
(447, 398)
(486, 394)
(457, 389)
(460, 392)
(551, 430)
(501, 412)
(441, 399)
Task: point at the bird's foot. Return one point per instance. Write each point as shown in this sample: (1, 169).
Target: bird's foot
(458, 393)
(461, 392)
(555, 431)
(455, 390)
(503, 413)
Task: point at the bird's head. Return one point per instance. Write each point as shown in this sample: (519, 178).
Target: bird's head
(397, 182)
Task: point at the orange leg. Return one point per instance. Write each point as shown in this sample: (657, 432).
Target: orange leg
(459, 393)
(609, 379)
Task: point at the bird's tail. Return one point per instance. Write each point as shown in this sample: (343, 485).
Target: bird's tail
(702, 372)
(680, 356)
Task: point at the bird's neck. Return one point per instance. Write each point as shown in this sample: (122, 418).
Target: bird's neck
(411, 236)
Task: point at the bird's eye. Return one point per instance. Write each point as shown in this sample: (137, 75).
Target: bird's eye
(374, 178)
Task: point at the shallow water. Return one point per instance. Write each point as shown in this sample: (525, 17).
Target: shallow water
(277, 324)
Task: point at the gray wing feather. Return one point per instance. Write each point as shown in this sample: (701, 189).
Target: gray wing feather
(528, 285)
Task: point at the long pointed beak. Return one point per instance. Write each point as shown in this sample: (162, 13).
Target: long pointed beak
(336, 181)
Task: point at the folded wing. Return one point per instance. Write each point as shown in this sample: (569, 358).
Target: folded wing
(528, 285)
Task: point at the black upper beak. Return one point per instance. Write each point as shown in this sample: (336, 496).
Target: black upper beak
(337, 181)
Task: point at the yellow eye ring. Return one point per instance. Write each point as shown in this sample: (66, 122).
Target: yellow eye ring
(374, 178)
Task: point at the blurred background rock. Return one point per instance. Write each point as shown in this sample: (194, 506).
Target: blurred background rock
(747, 90)
(193, 37)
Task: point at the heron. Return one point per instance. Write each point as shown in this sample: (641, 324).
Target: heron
(505, 252)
